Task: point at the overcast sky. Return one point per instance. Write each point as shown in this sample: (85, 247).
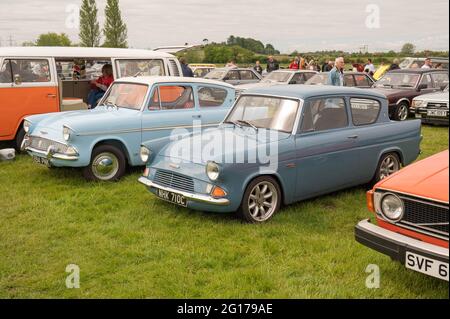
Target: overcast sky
(287, 24)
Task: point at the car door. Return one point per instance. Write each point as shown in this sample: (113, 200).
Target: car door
(28, 86)
(170, 107)
(363, 81)
(325, 154)
(248, 76)
(426, 84)
(214, 103)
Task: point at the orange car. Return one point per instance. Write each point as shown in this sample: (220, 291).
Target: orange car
(411, 209)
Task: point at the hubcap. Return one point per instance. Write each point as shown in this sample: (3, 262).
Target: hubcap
(403, 112)
(105, 166)
(262, 201)
(389, 166)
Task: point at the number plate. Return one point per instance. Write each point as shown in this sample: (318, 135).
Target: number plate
(427, 265)
(41, 160)
(171, 197)
(439, 113)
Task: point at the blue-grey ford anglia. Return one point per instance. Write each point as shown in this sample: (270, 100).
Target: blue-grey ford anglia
(104, 140)
(280, 145)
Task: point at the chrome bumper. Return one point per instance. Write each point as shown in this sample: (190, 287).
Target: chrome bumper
(395, 245)
(50, 153)
(190, 196)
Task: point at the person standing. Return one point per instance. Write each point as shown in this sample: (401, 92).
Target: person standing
(187, 71)
(369, 67)
(394, 65)
(328, 67)
(295, 65)
(272, 64)
(336, 75)
(428, 64)
(258, 68)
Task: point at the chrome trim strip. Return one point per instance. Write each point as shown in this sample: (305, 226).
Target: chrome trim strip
(55, 155)
(191, 196)
(409, 194)
(146, 129)
(411, 242)
(423, 227)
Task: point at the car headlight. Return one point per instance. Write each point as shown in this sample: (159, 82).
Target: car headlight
(418, 103)
(145, 154)
(66, 133)
(212, 170)
(26, 126)
(392, 207)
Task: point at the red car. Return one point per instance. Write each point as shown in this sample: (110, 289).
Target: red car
(411, 209)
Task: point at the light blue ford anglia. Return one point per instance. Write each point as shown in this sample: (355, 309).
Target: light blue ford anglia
(105, 140)
(280, 145)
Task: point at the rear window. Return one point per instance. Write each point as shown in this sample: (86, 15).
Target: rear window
(211, 97)
(364, 111)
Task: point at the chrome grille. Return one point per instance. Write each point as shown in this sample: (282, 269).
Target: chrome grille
(424, 215)
(43, 144)
(173, 180)
(436, 105)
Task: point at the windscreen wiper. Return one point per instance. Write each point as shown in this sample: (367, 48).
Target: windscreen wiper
(234, 123)
(248, 124)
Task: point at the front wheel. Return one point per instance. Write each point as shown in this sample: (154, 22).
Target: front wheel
(261, 200)
(388, 165)
(19, 139)
(401, 112)
(108, 163)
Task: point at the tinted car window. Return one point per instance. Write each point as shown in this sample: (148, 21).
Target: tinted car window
(349, 80)
(426, 80)
(172, 97)
(324, 114)
(232, 75)
(297, 79)
(362, 80)
(364, 111)
(211, 97)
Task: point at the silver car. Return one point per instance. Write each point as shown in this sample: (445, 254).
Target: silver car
(279, 77)
(432, 108)
(234, 76)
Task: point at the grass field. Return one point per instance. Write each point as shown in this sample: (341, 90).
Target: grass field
(128, 244)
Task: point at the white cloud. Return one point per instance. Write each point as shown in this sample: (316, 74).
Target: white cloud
(288, 24)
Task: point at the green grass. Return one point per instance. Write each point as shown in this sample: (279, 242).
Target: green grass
(128, 244)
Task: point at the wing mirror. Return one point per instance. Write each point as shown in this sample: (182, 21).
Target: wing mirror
(17, 79)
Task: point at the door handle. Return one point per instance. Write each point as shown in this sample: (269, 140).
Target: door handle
(51, 96)
(353, 137)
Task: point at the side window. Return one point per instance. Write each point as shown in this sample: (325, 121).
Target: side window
(426, 79)
(364, 111)
(31, 71)
(140, 68)
(232, 75)
(171, 97)
(173, 68)
(362, 80)
(309, 75)
(5, 72)
(440, 79)
(324, 114)
(246, 75)
(211, 97)
(297, 79)
(349, 80)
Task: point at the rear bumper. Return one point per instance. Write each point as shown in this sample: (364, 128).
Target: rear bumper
(396, 245)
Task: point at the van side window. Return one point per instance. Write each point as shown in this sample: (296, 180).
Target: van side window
(364, 111)
(324, 114)
(172, 97)
(211, 97)
(5, 72)
(31, 71)
(140, 68)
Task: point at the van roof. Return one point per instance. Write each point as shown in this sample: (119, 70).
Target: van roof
(79, 52)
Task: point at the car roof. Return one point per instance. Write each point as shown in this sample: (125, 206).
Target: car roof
(349, 72)
(302, 91)
(418, 71)
(150, 80)
(79, 52)
(293, 71)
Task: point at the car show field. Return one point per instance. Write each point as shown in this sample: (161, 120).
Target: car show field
(128, 244)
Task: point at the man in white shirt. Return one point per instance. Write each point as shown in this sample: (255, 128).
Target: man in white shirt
(369, 67)
(428, 64)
